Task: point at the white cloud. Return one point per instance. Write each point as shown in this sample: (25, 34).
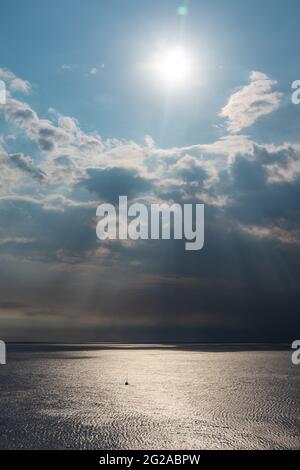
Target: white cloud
(13, 83)
(251, 102)
(93, 71)
(276, 233)
(9, 179)
(67, 153)
(66, 68)
(21, 240)
(26, 164)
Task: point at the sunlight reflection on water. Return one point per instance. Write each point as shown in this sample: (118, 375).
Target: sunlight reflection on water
(176, 399)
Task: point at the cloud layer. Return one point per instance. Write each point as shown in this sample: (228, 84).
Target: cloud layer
(58, 281)
(251, 102)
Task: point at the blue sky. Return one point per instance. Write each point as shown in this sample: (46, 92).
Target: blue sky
(87, 118)
(230, 39)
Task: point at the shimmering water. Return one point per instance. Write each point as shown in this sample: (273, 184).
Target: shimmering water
(177, 398)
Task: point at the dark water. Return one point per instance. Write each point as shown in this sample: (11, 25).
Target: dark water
(62, 397)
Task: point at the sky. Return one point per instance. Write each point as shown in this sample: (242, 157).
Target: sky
(90, 116)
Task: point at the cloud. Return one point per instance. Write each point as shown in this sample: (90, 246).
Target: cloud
(8, 177)
(20, 240)
(281, 235)
(39, 229)
(26, 164)
(52, 261)
(109, 183)
(67, 68)
(13, 83)
(191, 169)
(251, 102)
(93, 71)
(19, 113)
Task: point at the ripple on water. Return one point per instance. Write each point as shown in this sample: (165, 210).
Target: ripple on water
(175, 399)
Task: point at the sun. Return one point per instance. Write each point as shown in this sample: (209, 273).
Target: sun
(173, 66)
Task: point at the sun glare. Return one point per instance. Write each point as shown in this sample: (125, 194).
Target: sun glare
(173, 66)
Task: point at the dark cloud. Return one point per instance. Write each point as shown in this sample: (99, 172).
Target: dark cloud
(26, 164)
(248, 175)
(229, 291)
(191, 170)
(46, 145)
(256, 200)
(47, 132)
(63, 160)
(59, 282)
(23, 115)
(51, 228)
(108, 184)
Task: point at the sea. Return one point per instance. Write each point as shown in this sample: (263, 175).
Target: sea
(186, 396)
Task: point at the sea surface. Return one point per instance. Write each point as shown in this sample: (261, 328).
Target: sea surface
(178, 397)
